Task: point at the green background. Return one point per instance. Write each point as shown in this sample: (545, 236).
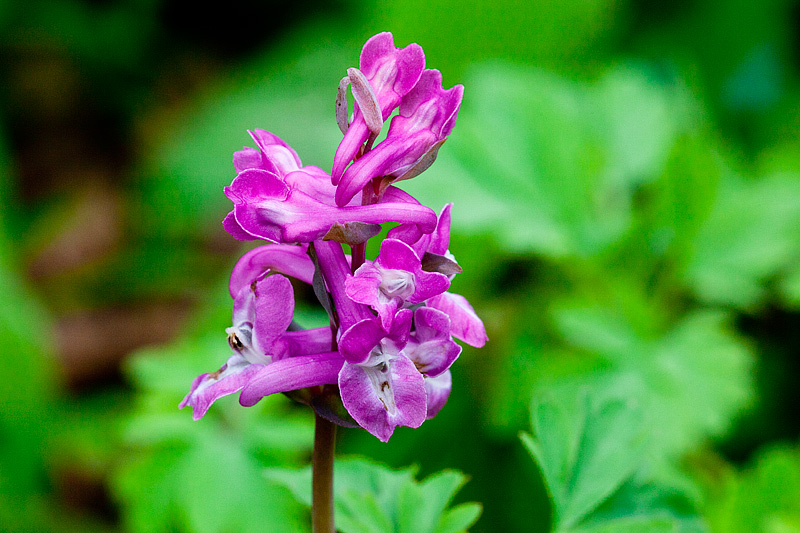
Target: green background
(626, 181)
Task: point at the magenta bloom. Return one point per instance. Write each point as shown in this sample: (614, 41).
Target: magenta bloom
(386, 355)
(427, 116)
(265, 207)
(465, 323)
(394, 279)
(392, 72)
(262, 312)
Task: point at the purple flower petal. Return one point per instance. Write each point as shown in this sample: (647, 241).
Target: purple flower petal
(391, 69)
(392, 280)
(357, 341)
(365, 288)
(401, 327)
(207, 388)
(440, 238)
(247, 158)
(291, 374)
(392, 73)
(278, 157)
(265, 207)
(316, 183)
(283, 258)
(232, 226)
(437, 390)
(430, 346)
(274, 308)
(427, 116)
(303, 342)
(385, 395)
(464, 323)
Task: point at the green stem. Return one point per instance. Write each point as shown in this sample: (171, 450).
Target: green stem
(322, 477)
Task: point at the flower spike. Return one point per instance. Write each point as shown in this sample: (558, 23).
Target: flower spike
(384, 359)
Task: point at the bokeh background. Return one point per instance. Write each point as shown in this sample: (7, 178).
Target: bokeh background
(626, 180)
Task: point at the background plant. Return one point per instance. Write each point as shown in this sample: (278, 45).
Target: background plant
(627, 208)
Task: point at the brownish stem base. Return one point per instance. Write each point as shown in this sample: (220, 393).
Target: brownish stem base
(322, 477)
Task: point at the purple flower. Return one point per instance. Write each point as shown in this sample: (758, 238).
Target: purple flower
(208, 388)
(396, 382)
(465, 323)
(389, 346)
(393, 280)
(286, 259)
(427, 116)
(384, 392)
(381, 388)
(392, 73)
(261, 313)
(432, 350)
(273, 154)
(265, 207)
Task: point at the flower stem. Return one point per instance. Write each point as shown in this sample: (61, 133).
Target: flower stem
(322, 477)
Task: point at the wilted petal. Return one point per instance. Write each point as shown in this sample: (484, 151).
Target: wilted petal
(352, 233)
(464, 323)
(342, 116)
(291, 374)
(366, 100)
(207, 388)
(437, 390)
(383, 396)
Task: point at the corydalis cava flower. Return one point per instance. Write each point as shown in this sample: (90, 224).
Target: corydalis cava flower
(386, 357)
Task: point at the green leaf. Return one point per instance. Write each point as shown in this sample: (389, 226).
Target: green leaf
(459, 518)
(586, 447)
(601, 463)
(369, 497)
(676, 206)
(550, 165)
(200, 476)
(765, 496)
(204, 475)
(632, 524)
(691, 380)
(752, 234)
(700, 377)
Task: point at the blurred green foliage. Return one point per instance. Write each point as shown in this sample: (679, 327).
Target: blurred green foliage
(371, 498)
(626, 180)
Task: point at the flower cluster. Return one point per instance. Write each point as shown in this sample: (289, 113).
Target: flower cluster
(387, 353)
